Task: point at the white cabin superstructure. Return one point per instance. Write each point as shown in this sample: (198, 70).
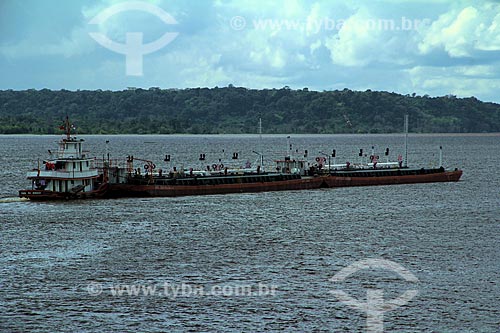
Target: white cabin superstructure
(293, 166)
(71, 174)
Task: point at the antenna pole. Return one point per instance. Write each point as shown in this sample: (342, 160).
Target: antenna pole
(406, 140)
(107, 150)
(287, 151)
(68, 128)
(440, 156)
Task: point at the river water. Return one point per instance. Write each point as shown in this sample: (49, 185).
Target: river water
(63, 265)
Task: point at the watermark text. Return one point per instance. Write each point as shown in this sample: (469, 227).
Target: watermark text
(317, 25)
(176, 290)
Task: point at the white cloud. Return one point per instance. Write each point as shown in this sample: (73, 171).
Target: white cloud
(365, 38)
(481, 71)
(355, 38)
(314, 19)
(272, 57)
(490, 36)
(314, 46)
(273, 9)
(462, 31)
(77, 43)
(463, 81)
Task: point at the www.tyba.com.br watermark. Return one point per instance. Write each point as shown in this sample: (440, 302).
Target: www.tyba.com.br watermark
(327, 24)
(176, 290)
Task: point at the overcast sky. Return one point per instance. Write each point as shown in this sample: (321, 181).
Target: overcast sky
(435, 47)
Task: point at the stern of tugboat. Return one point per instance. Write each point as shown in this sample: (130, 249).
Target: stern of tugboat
(41, 195)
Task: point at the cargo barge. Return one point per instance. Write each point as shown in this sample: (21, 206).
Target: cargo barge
(74, 175)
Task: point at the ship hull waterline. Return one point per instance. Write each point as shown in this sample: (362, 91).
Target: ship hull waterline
(446, 176)
(128, 190)
(43, 195)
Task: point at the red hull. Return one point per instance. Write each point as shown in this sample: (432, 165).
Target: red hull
(307, 183)
(447, 176)
(126, 190)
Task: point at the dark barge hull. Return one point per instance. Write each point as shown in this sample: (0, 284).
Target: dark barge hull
(128, 190)
(407, 177)
(341, 179)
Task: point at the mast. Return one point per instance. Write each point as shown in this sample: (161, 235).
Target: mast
(406, 140)
(67, 128)
(107, 150)
(260, 144)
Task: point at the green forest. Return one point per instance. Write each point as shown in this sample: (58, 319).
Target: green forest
(237, 110)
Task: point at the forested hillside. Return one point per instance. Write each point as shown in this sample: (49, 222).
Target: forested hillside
(237, 110)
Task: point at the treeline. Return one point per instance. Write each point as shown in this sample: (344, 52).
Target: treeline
(237, 110)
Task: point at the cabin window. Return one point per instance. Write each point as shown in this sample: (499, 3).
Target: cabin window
(72, 182)
(74, 165)
(81, 166)
(87, 163)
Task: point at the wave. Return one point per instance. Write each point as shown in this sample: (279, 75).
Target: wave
(12, 199)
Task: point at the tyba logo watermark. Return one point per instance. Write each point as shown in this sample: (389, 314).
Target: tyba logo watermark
(133, 49)
(375, 306)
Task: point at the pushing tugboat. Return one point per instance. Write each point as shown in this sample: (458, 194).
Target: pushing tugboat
(70, 175)
(73, 175)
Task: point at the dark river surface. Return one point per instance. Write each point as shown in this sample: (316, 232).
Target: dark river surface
(80, 266)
